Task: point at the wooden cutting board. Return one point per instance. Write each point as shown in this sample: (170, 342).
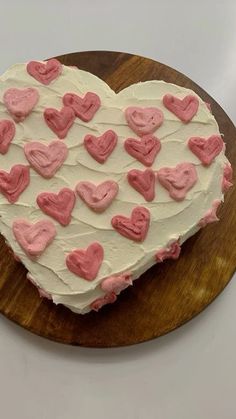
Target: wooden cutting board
(166, 296)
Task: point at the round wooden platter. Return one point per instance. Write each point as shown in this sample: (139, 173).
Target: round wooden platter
(167, 295)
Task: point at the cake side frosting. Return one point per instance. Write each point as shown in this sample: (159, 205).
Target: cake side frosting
(170, 220)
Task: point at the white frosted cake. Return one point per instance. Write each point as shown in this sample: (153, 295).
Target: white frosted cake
(96, 187)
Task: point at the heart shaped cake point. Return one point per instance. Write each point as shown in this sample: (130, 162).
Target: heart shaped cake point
(88, 215)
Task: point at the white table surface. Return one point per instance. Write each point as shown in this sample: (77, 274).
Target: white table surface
(189, 374)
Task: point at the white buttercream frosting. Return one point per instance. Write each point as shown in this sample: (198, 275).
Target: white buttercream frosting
(170, 220)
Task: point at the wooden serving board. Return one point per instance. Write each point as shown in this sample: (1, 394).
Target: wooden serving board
(167, 295)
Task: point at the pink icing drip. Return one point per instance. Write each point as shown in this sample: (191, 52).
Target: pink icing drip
(20, 102)
(144, 150)
(46, 72)
(42, 292)
(59, 121)
(86, 263)
(184, 109)
(143, 182)
(14, 183)
(59, 206)
(102, 301)
(143, 121)
(116, 283)
(206, 149)
(33, 238)
(46, 159)
(133, 228)
(7, 133)
(97, 197)
(208, 105)
(101, 147)
(84, 108)
(178, 180)
(210, 216)
(227, 178)
(171, 252)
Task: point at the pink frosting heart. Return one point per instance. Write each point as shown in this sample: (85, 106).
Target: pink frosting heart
(83, 107)
(101, 147)
(59, 121)
(143, 121)
(34, 238)
(210, 216)
(143, 182)
(20, 102)
(7, 133)
(116, 283)
(14, 183)
(59, 206)
(144, 150)
(227, 178)
(46, 159)
(184, 109)
(171, 252)
(97, 197)
(133, 228)
(178, 180)
(206, 149)
(102, 301)
(86, 262)
(45, 72)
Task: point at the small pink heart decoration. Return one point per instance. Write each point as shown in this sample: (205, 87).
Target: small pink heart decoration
(143, 121)
(34, 238)
(46, 72)
(133, 228)
(178, 180)
(206, 149)
(20, 102)
(83, 107)
(86, 263)
(144, 150)
(98, 197)
(100, 148)
(59, 206)
(7, 132)
(184, 109)
(14, 183)
(46, 159)
(59, 121)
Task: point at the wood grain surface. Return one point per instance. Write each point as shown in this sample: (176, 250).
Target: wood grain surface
(167, 295)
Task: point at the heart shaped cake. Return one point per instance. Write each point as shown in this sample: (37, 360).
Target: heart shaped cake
(96, 187)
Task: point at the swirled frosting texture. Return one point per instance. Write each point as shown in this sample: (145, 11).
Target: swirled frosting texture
(170, 220)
